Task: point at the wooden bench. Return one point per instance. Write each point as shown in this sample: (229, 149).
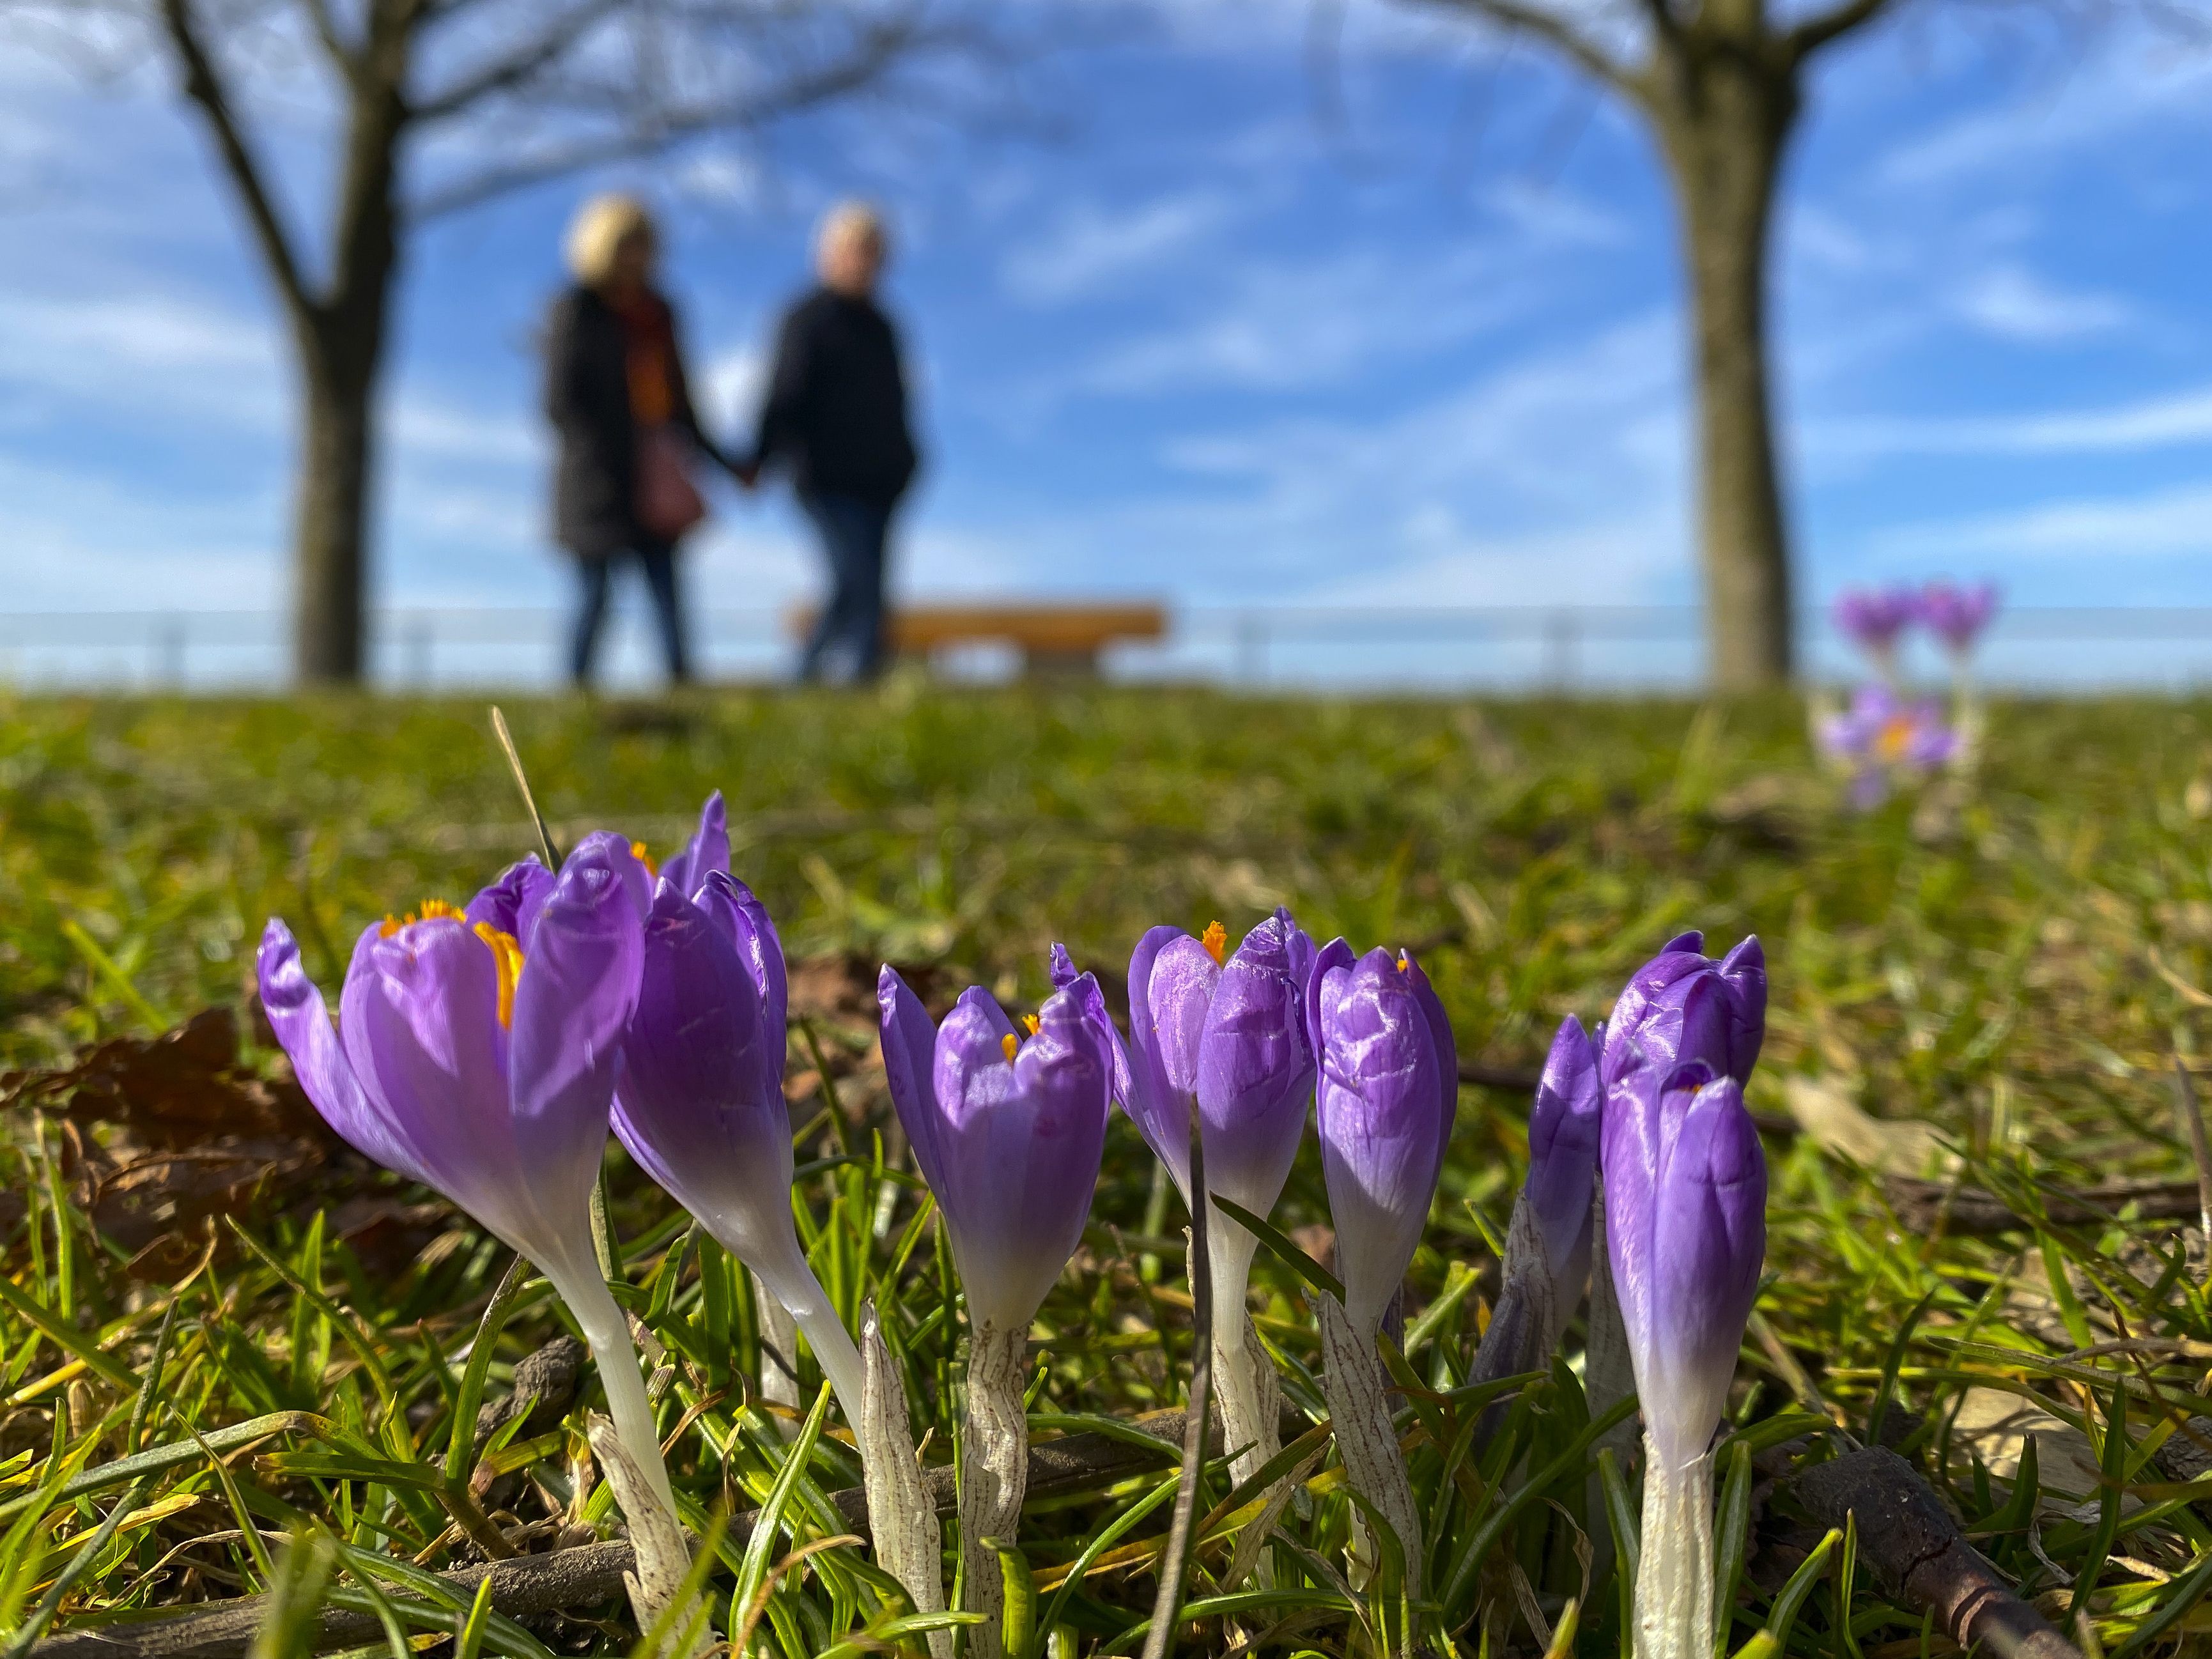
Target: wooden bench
(1058, 640)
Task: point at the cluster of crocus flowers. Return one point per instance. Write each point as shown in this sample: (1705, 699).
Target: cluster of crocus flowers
(1884, 738)
(1876, 620)
(487, 1052)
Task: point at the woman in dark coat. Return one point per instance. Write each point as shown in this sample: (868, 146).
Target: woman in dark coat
(619, 401)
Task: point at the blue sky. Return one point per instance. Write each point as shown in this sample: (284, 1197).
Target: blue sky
(1224, 327)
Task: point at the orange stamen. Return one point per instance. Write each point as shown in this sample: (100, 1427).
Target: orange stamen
(389, 926)
(1215, 938)
(1405, 962)
(506, 957)
(637, 851)
(1010, 1043)
(1032, 1022)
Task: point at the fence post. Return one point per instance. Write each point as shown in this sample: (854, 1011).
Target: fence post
(421, 643)
(1563, 634)
(1251, 649)
(169, 640)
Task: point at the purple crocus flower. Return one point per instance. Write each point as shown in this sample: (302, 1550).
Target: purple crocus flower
(1685, 1228)
(1873, 619)
(1008, 1133)
(1388, 1091)
(1227, 1032)
(481, 1062)
(1881, 738)
(1681, 1005)
(1957, 615)
(1564, 1127)
(700, 1099)
(1686, 1233)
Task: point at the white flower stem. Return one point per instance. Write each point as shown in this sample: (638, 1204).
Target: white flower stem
(909, 1541)
(994, 1455)
(1674, 1578)
(794, 1286)
(1244, 1382)
(607, 1331)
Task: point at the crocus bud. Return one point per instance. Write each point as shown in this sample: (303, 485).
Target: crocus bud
(1388, 1088)
(1008, 1127)
(1685, 1228)
(1008, 1133)
(1387, 1092)
(481, 1063)
(1683, 1005)
(700, 1101)
(1547, 1241)
(1226, 1034)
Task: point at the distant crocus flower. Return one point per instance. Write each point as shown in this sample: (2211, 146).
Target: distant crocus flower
(1957, 615)
(700, 1099)
(481, 1062)
(1008, 1133)
(1883, 739)
(1225, 1033)
(1388, 1091)
(1685, 1228)
(1682, 1005)
(1874, 620)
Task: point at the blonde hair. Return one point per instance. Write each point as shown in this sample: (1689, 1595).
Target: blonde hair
(601, 226)
(852, 220)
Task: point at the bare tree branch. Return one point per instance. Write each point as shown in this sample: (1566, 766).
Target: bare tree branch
(660, 130)
(1516, 16)
(508, 73)
(204, 86)
(325, 25)
(1818, 30)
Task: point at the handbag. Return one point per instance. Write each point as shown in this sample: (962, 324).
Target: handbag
(668, 502)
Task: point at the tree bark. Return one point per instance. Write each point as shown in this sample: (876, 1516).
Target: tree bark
(330, 525)
(1724, 109)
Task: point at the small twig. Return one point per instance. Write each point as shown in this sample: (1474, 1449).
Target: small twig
(522, 782)
(2192, 1122)
(1918, 1553)
(1175, 1561)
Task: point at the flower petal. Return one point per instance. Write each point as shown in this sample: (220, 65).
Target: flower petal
(1167, 1010)
(908, 1037)
(745, 922)
(302, 1021)
(694, 1103)
(1564, 1130)
(706, 852)
(1255, 1066)
(572, 1005)
(511, 904)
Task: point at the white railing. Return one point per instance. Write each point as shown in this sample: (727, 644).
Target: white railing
(1588, 648)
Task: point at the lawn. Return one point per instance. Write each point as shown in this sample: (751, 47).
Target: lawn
(2013, 960)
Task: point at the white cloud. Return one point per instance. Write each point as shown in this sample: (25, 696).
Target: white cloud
(2159, 524)
(2013, 303)
(2179, 419)
(1090, 248)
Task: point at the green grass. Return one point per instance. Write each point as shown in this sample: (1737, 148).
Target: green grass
(2008, 965)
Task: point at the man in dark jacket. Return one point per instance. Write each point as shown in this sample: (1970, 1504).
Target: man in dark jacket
(836, 415)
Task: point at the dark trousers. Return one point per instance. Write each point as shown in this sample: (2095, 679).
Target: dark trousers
(658, 561)
(849, 642)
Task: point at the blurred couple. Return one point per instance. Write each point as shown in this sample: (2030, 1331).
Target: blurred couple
(834, 418)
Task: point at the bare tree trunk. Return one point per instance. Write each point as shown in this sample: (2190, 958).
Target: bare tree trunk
(1724, 129)
(330, 531)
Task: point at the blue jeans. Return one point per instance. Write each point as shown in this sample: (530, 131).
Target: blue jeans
(849, 644)
(658, 561)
